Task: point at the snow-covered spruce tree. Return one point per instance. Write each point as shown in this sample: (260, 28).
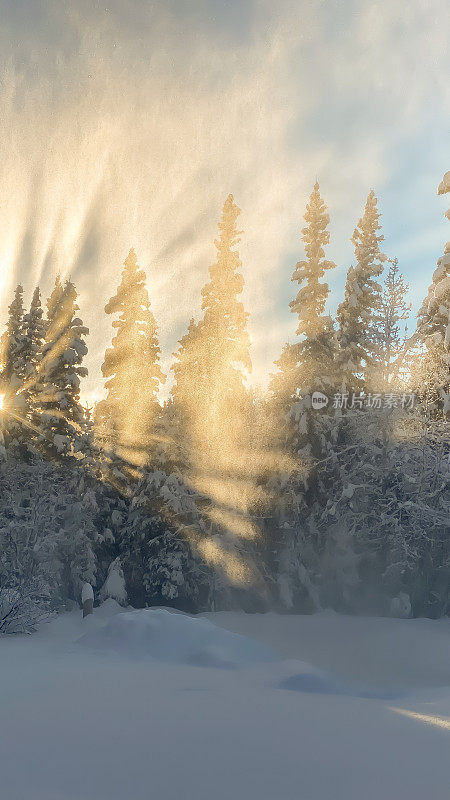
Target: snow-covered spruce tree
(20, 610)
(131, 368)
(57, 402)
(358, 314)
(392, 341)
(315, 350)
(296, 486)
(432, 378)
(292, 434)
(158, 539)
(383, 532)
(34, 328)
(47, 533)
(12, 339)
(310, 363)
(174, 576)
(12, 365)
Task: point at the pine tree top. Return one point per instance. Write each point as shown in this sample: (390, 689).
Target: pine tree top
(16, 307)
(55, 298)
(309, 304)
(366, 239)
(227, 225)
(225, 280)
(131, 299)
(314, 351)
(225, 320)
(36, 300)
(34, 329)
(132, 362)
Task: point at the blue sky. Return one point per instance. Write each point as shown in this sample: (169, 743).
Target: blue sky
(127, 123)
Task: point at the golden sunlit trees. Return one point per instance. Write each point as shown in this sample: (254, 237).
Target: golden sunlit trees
(57, 405)
(315, 350)
(211, 399)
(223, 498)
(131, 368)
(358, 314)
(209, 370)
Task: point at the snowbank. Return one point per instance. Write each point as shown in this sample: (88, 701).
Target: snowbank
(369, 654)
(177, 638)
(105, 727)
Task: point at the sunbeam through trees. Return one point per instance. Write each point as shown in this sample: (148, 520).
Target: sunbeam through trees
(225, 495)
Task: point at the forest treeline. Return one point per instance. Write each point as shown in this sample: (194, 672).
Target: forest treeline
(226, 496)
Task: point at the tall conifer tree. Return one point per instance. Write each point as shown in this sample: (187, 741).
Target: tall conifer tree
(12, 369)
(34, 335)
(223, 329)
(131, 367)
(358, 315)
(315, 350)
(391, 340)
(57, 403)
(433, 330)
(216, 410)
(12, 343)
(209, 370)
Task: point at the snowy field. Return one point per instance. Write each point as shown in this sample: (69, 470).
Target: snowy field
(152, 705)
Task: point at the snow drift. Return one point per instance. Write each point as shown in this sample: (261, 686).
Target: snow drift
(176, 638)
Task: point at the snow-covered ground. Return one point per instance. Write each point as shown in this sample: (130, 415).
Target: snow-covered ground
(156, 706)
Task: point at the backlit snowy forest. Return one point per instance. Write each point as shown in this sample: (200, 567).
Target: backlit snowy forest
(326, 489)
